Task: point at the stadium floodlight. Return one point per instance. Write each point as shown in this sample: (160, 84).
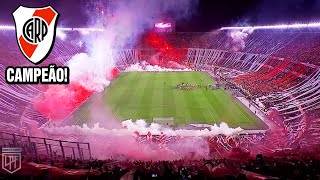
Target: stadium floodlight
(271, 27)
(87, 29)
(314, 25)
(297, 25)
(162, 25)
(64, 29)
(282, 26)
(6, 27)
(84, 32)
(10, 27)
(235, 28)
(81, 29)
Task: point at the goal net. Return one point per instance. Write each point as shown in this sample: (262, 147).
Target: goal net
(164, 120)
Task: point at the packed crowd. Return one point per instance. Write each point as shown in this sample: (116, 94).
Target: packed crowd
(291, 166)
(297, 45)
(268, 80)
(304, 47)
(216, 55)
(274, 76)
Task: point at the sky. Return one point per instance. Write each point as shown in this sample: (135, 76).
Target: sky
(206, 16)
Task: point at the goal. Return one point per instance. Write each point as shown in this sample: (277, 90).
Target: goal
(164, 120)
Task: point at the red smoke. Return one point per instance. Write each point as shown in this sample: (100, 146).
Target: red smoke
(114, 73)
(167, 52)
(60, 100)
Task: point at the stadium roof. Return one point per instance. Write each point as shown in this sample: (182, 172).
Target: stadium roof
(10, 27)
(283, 26)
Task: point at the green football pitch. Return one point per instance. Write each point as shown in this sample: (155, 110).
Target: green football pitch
(145, 95)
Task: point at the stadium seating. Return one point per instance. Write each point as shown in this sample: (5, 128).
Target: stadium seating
(294, 45)
(16, 100)
(281, 77)
(280, 69)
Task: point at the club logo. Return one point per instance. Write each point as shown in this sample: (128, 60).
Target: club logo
(11, 159)
(35, 30)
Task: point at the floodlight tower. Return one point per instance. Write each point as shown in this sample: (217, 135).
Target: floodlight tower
(165, 24)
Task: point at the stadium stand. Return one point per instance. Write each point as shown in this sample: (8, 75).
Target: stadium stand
(279, 69)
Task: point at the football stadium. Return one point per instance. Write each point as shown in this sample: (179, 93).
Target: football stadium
(142, 100)
(159, 97)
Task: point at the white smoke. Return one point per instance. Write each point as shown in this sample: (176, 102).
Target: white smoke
(116, 143)
(142, 128)
(144, 66)
(156, 129)
(239, 37)
(129, 20)
(91, 69)
(90, 72)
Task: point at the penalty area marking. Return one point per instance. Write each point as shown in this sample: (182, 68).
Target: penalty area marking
(185, 109)
(231, 101)
(237, 107)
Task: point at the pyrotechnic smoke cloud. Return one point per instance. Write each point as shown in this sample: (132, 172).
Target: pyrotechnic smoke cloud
(123, 28)
(239, 37)
(91, 70)
(122, 142)
(92, 76)
(156, 129)
(144, 66)
(142, 128)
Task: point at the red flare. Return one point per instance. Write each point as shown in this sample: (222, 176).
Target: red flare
(114, 72)
(58, 101)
